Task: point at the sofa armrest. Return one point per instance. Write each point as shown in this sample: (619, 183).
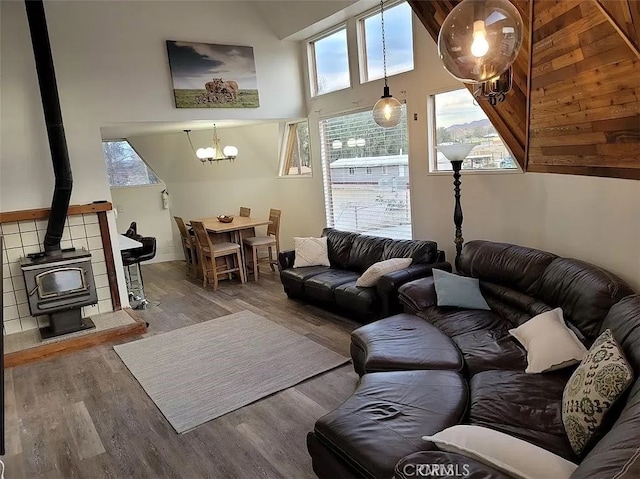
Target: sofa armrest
(420, 294)
(286, 259)
(444, 465)
(388, 284)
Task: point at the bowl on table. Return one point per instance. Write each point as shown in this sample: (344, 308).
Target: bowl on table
(225, 218)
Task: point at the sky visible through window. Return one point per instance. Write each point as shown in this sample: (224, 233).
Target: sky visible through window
(457, 107)
(398, 39)
(332, 64)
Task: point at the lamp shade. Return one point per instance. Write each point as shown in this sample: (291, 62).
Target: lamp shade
(230, 151)
(456, 151)
(387, 111)
(480, 39)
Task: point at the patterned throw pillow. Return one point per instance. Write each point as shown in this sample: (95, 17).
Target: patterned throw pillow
(595, 385)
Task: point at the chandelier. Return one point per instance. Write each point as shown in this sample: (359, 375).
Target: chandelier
(215, 152)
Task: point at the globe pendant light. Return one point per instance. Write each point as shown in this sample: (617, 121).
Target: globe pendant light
(479, 40)
(387, 110)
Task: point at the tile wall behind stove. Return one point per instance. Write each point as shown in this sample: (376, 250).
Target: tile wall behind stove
(24, 237)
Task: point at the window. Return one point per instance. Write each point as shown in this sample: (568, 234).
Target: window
(125, 167)
(357, 196)
(398, 40)
(384, 170)
(329, 63)
(456, 117)
(296, 155)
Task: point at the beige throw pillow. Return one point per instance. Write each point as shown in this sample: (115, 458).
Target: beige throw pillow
(511, 455)
(374, 272)
(310, 252)
(594, 386)
(549, 343)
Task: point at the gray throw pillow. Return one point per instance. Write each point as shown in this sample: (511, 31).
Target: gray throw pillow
(458, 291)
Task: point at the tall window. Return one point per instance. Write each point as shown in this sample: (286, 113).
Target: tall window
(398, 40)
(329, 63)
(125, 167)
(456, 117)
(296, 154)
(358, 196)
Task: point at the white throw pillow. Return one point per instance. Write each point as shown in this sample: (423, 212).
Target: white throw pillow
(549, 343)
(508, 454)
(373, 273)
(311, 252)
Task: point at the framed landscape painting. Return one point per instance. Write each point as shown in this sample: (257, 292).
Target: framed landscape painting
(213, 76)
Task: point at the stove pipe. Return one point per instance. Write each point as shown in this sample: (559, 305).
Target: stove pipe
(55, 129)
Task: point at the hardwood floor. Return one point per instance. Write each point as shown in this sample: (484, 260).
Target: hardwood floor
(84, 415)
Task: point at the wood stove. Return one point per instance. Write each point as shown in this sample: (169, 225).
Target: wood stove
(59, 286)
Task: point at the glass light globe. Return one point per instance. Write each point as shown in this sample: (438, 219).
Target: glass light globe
(387, 111)
(230, 151)
(201, 153)
(480, 39)
(209, 152)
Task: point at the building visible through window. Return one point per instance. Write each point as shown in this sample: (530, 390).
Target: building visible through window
(366, 181)
(457, 118)
(124, 165)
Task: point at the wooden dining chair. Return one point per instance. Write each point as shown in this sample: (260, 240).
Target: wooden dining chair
(208, 252)
(271, 241)
(244, 211)
(189, 247)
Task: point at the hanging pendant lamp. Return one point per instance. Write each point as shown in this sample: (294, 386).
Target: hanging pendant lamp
(387, 110)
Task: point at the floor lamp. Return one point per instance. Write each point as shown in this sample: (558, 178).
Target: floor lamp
(456, 153)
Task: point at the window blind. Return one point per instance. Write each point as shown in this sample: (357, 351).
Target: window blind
(366, 175)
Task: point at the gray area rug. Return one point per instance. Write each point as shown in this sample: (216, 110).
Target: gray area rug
(201, 372)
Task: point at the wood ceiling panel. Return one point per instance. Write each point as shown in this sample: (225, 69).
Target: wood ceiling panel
(585, 90)
(510, 117)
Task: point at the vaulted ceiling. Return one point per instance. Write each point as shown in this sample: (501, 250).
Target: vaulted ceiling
(575, 105)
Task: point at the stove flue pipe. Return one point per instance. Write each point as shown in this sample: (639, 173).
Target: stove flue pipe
(55, 129)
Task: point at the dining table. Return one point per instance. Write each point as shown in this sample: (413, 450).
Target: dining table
(241, 227)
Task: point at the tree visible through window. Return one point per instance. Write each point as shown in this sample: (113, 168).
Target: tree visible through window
(296, 160)
(124, 165)
(457, 118)
(366, 178)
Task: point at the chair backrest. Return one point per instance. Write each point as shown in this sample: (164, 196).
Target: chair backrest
(186, 237)
(244, 211)
(274, 228)
(132, 231)
(202, 237)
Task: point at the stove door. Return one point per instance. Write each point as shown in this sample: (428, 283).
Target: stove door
(60, 282)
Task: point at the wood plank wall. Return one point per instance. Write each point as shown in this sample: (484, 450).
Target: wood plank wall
(510, 117)
(585, 93)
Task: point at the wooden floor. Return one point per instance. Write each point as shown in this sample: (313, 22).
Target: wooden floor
(84, 415)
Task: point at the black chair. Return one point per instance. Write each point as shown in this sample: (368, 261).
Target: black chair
(134, 257)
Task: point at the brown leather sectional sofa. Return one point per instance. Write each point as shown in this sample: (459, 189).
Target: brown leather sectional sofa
(432, 367)
(350, 254)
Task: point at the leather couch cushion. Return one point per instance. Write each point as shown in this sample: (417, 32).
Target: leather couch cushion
(384, 420)
(357, 299)
(419, 251)
(528, 406)
(515, 266)
(583, 291)
(320, 286)
(488, 349)
(454, 321)
(339, 245)
(293, 278)
(418, 295)
(402, 342)
(624, 322)
(512, 305)
(365, 251)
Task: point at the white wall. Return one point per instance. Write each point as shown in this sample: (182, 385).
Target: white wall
(111, 66)
(143, 204)
(593, 219)
(198, 190)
